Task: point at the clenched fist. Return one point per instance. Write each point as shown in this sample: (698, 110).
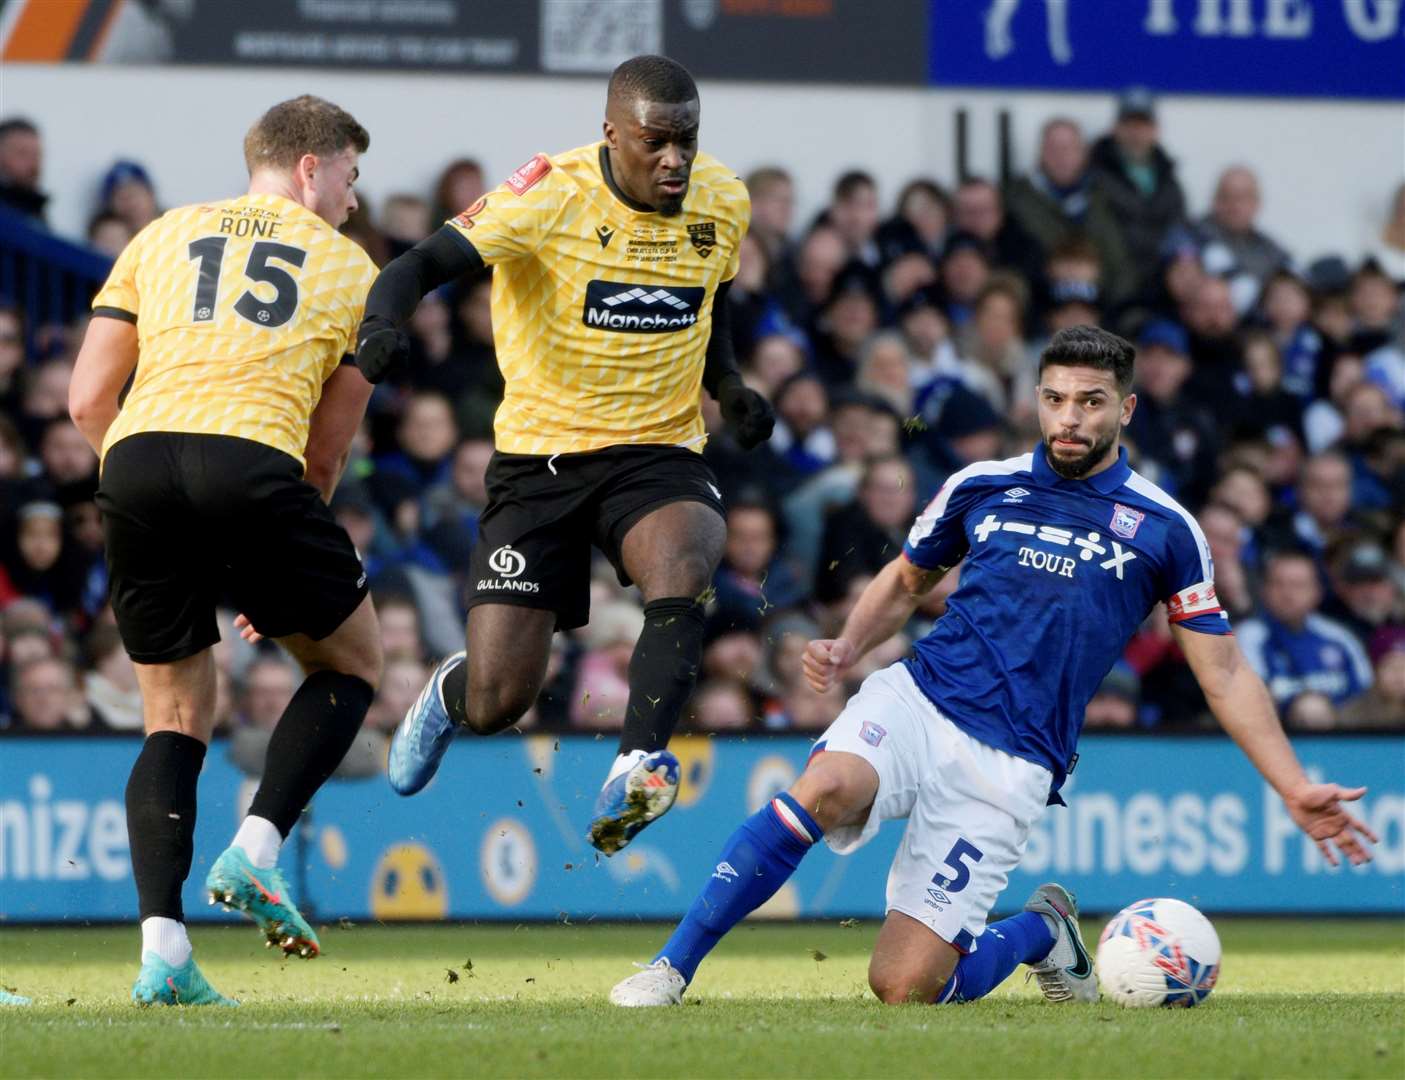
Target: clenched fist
(824, 661)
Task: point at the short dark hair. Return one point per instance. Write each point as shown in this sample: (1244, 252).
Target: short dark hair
(1286, 553)
(652, 78)
(767, 177)
(1076, 247)
(849, 183)
(12, 124)
(1091, 346)
(926, 186)
(301, 125)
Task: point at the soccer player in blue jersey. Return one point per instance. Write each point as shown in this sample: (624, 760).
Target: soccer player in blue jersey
(1066, 550)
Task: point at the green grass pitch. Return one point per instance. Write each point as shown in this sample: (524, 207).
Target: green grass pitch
(1319, 999)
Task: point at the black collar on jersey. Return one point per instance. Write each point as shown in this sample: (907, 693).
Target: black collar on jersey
(607, 174)
(1105, 482)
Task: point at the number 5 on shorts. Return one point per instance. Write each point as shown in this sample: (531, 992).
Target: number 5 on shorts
(960, 875)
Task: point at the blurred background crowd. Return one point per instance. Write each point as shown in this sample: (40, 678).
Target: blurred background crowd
(897, 334)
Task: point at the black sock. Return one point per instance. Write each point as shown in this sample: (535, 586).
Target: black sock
(313, 735)
(456, 693)
(161, 820)
(662, 672)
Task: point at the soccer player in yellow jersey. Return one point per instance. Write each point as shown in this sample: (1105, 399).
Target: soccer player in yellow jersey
(236, 315)
(611, 265)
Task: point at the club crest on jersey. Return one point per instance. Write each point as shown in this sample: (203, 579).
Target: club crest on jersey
(464, 218)
(1125, 521)
(872, 733)
(525, 177)
(704, 237)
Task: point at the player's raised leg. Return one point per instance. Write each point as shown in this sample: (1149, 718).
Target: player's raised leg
(486, 688)
(671, 553)
(178, 702)
(835, 791)
(311, 738)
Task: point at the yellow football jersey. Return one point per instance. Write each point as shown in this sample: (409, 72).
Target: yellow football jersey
(602, 313)
(243, 309)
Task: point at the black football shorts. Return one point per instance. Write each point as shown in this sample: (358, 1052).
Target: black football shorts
(191, 519)
(544, 513)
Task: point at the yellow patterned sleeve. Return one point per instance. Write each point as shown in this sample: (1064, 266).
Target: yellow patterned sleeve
(355, 303)
(118, 297)
(741, 212)
(514, 219)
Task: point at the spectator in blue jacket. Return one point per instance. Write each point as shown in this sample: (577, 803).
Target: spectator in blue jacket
(1293, 648)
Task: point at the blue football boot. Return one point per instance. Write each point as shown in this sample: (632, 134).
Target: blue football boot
(634, 798)
(424, 735)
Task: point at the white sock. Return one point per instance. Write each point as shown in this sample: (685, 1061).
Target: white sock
(625, 762)
(166, 938)
(260, 840)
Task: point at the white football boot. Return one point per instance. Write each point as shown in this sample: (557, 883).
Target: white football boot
(655, 984)
(1066, 974)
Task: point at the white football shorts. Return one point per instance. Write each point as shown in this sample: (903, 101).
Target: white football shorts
(969, 807)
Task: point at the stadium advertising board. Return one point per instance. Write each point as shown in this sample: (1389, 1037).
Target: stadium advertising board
(499, 833)
(1290, 48)
(787, 40)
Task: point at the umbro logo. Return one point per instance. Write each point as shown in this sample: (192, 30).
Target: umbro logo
(604, 234)
(641, 309)
(1015, 494)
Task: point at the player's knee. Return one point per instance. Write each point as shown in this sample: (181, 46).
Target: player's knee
(899, 986)
(834, 793)
(494, 708)
(695, 569)
(363, 661)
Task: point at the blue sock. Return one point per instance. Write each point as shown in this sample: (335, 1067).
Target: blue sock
(1023, 939)
(756, 861)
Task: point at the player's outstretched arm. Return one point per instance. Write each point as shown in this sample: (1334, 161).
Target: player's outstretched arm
(1242, 705)
(882, 609)
(105, 362)
(397, 291)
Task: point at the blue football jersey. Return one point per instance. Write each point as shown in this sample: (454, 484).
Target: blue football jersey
(1321, 656)
(1058, 576)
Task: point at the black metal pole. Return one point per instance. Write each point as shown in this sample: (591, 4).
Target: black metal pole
(1004, 141)
(962, 171)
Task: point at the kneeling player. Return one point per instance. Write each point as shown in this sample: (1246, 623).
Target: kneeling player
(1066, 551)
(214, 476)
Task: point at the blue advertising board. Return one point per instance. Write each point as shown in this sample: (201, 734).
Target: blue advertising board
(499, 833)
(1293, 48)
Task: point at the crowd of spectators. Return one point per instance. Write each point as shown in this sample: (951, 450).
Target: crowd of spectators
(896, 349)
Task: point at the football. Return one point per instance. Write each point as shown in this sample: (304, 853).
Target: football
(1158, 952)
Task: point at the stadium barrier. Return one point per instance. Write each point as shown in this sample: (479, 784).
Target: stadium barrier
(499, 834)
(52, 280)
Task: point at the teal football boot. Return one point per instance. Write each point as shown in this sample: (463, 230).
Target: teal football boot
(262, 895)
(160, 983)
